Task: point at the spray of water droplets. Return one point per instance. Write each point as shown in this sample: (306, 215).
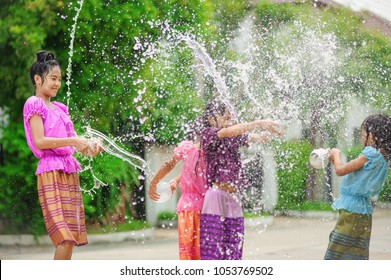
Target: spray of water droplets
(72, 36)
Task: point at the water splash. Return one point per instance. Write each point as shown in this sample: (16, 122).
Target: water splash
(114, 149)
(72, 35)
(97, 182)
(293, 75)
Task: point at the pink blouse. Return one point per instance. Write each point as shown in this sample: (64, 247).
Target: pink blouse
(193, 177)
(57, 124)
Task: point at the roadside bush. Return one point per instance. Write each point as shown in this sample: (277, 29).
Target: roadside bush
(292, 172)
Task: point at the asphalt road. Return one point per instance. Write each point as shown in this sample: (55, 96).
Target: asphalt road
(284, 238)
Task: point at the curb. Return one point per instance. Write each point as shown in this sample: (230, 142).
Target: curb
(115, 237)
(308, 214)
(257, 222)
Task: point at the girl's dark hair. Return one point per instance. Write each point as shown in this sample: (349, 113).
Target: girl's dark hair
(380, 127)
(41, 67)
(193, 129)
(213, 109)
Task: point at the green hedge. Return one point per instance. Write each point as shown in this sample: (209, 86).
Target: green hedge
(167, 215)
(19, 206)
(20, 211)
(292, 172)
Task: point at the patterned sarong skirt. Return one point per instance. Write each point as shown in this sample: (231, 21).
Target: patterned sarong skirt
(222, 226)
(189, 235)
(350, 238)
(62, 207)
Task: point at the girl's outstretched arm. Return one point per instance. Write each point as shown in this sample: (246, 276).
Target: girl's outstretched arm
(166, 168)
(42, 142)
(341, 168)
(239, 129)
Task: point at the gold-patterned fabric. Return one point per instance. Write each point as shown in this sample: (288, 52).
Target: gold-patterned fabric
(62, 207)
(350, 238)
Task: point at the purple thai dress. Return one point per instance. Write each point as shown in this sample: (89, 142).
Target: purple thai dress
(222, 223)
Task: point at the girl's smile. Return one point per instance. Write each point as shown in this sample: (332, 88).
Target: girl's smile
(50, 85)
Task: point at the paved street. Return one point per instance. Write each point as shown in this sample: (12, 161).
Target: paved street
(284, 238)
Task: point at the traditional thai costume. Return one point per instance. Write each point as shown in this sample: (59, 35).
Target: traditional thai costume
(193, 188)
(351, 235)
(59, 190)
(222, 223)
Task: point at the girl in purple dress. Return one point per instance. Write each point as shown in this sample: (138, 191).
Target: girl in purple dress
(51, 137)
(222, 223)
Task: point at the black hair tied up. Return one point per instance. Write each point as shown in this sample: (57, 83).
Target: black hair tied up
(44, 62)
(44, 56)
(380, 127)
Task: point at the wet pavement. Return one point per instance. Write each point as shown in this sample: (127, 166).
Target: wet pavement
(282, 238)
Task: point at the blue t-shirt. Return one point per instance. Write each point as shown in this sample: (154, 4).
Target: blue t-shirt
(358, 187)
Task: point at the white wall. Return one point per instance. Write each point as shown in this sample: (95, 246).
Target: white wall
(356, 114)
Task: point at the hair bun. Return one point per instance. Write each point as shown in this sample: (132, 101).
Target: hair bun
(44, 56)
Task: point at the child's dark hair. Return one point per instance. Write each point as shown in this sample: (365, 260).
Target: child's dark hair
(213, 109)
(380, 127)
(41, 67)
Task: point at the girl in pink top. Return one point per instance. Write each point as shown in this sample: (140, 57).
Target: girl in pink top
(192, 182)
(51, 137)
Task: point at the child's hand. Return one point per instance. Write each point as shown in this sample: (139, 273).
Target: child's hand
(173, 184)
(94, 147)
(332, 154)
(152, 191)
(81, 145)
(272, 126)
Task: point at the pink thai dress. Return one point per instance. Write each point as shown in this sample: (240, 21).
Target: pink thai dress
(193, 188)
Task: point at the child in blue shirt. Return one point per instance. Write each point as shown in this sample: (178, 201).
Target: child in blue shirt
(364, 178)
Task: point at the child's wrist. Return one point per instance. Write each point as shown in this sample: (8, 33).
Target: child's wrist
(265, 124)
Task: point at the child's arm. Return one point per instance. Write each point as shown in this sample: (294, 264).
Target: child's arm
(260, 138)
(239, 129)
(341, 168)
(162, 172)
(42, 142)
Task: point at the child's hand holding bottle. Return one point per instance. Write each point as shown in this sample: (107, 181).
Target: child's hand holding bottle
(334, 152)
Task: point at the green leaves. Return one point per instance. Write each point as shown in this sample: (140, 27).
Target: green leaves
(103, 88)
(292, 172)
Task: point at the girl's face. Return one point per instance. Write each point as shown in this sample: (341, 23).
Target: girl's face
(223, 121)
(52, 83)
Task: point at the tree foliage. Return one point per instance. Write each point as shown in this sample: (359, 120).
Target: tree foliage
(101, 90)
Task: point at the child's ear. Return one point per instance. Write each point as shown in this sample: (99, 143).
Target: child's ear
(38, 80)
